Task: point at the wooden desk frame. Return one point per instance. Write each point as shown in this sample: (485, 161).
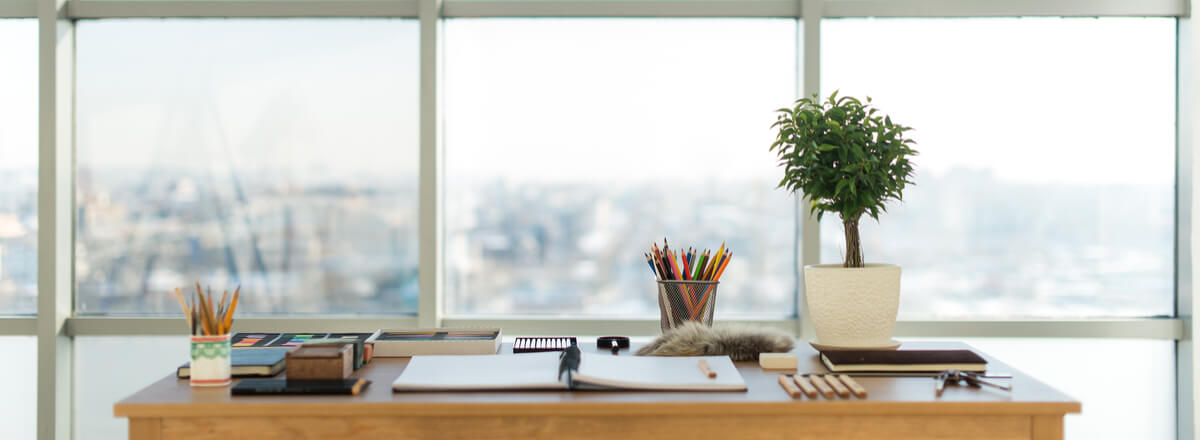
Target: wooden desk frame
(898, 408)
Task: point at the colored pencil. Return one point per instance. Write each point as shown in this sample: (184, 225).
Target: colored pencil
(683, 261)
(723, 265)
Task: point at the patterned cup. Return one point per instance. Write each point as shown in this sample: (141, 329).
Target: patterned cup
(210, 361)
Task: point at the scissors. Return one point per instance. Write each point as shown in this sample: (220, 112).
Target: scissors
(975, 380)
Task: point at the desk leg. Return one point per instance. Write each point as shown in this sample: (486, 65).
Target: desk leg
(1047, 428)
(145, 428)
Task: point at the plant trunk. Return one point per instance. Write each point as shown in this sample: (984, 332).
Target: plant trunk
(854, 256)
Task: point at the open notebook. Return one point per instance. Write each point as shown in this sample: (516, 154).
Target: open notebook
(534, 371)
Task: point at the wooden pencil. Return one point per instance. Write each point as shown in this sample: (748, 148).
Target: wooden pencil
(822, 386)
(720, 271)
(788, 386)
(853, 385)
(232, 308)
(805, 385)
(183, 306)
(840, 389)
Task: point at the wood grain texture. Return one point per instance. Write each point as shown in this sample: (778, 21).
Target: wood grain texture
(1047, 428)
(628, 428)
(914, 396)
(145, 429)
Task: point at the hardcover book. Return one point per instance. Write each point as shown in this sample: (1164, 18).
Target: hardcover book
(903, 360)
(260, 362)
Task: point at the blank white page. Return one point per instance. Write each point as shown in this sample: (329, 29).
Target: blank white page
(658, 372)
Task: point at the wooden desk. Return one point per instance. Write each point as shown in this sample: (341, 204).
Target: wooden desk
(897, 408)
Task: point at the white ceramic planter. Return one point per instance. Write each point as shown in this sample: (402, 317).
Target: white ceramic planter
(853, 307)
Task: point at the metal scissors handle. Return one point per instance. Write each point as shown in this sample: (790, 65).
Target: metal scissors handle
(976, 380)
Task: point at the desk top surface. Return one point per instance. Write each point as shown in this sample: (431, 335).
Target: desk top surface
(171, 397)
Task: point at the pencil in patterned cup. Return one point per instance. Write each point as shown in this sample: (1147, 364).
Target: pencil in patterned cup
(209, 325)
(687, 282)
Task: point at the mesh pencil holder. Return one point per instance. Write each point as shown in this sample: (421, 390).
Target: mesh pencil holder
(683, 301)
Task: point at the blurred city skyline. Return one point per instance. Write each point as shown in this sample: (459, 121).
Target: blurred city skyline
(219, 152)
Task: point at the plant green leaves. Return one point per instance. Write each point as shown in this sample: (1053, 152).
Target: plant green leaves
(843, 154)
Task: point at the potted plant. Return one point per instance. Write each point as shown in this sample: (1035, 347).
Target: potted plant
(849, 159)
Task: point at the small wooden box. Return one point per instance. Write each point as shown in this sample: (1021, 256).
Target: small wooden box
(320, 362)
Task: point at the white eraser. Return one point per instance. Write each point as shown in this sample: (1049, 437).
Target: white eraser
(777, 360)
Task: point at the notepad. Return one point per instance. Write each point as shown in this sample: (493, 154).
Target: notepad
(536, 371)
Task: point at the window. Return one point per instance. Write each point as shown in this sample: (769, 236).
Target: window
(18, 402)
(106, 376)
(1045, 182)
(572, 144)
(18, 166)
(279, 155)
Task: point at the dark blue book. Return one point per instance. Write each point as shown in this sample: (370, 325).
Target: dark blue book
(248, 362)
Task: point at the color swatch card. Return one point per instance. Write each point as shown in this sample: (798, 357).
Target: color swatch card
(243, 340)
(257, 340)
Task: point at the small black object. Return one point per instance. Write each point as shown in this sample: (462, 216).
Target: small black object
(540, 344)
(974, 380)
(616, 343)
(568, 362)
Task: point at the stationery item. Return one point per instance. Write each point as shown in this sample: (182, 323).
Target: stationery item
(202, 317)
(542, 371)
(210, 365)
(857, 389)
(788, 386)
(259, 340)
(614, 343)
(355, 340)
(288, 386)
(707, 371)
(805, 385)
(252, 340)
(777, 360)
(903, 360)
(321, 362)
(837, 386)
(821, 385)
(955, 377)
(540, 344)
(209, 325)
(680, 302)
(247, 363)
(687, 282)
(425, 341)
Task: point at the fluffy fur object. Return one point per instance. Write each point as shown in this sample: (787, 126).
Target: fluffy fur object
(740, 343)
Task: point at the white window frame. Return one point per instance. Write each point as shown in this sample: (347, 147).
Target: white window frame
(56, 322)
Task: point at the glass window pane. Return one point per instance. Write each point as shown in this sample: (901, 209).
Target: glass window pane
(105, 374)
(18, 166)
(1145, 411)
(571, 144)
(275, 154)
(1044, 185)
(18, 402)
